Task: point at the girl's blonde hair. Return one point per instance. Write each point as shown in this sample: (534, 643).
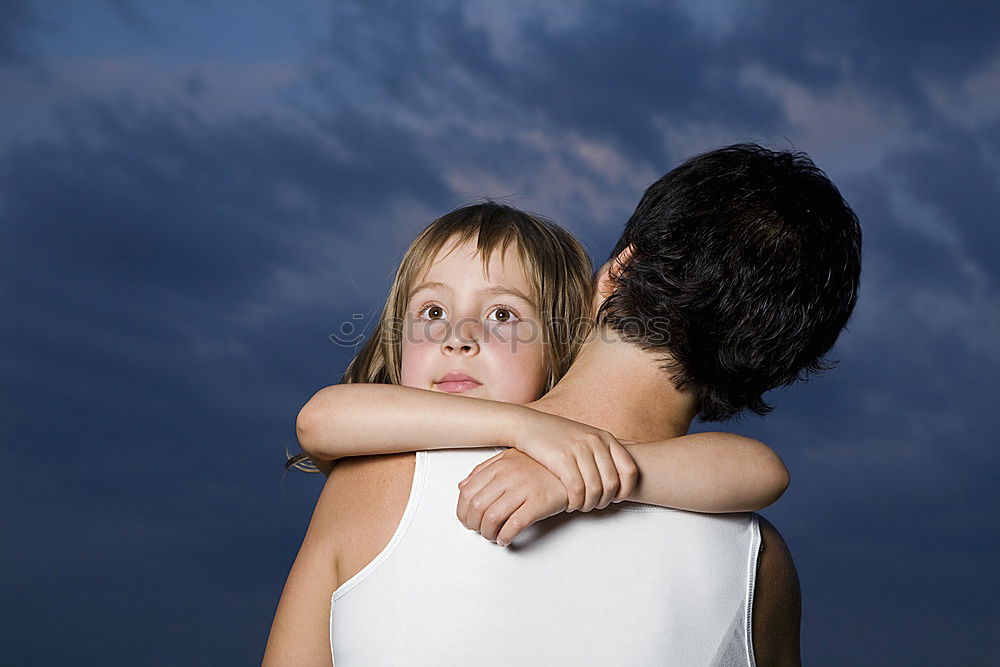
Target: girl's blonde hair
(555, 263)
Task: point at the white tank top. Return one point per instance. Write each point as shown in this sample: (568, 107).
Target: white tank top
(631, 584)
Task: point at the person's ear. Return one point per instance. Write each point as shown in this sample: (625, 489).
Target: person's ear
(609, 273)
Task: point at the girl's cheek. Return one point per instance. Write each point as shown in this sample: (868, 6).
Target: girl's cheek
(416, 367)
(419, 351)
(522, 364)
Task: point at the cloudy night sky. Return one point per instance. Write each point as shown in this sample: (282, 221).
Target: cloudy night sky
(195, 195)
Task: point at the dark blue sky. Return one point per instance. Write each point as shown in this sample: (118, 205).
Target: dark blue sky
(195, 195)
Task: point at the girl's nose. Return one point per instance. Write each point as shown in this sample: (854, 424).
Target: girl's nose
(462, 339)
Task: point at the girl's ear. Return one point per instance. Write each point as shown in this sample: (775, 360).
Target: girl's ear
(608, 274)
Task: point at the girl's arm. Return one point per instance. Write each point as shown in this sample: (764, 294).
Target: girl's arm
(708, 472)
(361, 419)
(364, 419)
(705, 472)
(701, 472)
(300, 632)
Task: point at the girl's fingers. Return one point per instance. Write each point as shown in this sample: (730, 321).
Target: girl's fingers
(576, 487)
(481, 466)
(609, 477)
(628, 472)
(471, 486)
(481, 502)
(521, 518)
(592, 479)
(498, 513)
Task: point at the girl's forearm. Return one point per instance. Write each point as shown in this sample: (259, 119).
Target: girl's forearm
(708, 472)
(361, 419)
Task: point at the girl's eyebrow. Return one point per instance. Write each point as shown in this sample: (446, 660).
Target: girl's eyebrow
(497, 290)
(500, 290)
(427, 285)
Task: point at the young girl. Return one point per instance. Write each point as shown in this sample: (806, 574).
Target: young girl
(492, 303)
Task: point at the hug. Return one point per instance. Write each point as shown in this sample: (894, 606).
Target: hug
(510, 478)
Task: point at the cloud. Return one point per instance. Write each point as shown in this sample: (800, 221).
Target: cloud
(214, 91)
(717, 19)
(183, 226)
(846, 126)
(18, 23)
(170, 249)
(972, 101)
(510, 27)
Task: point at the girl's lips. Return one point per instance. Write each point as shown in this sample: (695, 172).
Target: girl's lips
(457, 387)
(456, 383)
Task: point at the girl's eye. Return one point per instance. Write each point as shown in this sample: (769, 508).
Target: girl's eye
(432, 311)
(502, 314)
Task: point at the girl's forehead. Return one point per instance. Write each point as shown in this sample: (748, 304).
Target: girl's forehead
(462, 262)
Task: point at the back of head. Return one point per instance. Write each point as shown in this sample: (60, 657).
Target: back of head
(745, 268)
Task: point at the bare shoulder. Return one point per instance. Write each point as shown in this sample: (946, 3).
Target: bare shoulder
(365, 497)
(777, 602)
(353, 520)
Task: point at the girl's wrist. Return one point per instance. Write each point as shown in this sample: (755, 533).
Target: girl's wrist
(509, 416)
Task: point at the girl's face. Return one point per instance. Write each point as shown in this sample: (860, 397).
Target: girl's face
(469, 335)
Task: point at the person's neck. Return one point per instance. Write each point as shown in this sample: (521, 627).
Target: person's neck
(620, 388)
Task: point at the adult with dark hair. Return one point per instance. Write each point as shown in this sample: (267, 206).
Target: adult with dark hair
(742, 264)
(734, 275)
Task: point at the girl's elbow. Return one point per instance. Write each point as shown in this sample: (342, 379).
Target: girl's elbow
(776, 478)
(303, 426)
(778, 483)
(314, 415)
(781, 485)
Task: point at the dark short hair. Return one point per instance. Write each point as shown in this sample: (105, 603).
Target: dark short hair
(745, 269)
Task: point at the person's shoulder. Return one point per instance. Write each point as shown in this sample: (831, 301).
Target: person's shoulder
(360, 506)
(349, 525)
(777, 603)
(357, 481)
(375, 464)
(355, 471)
(359, 497)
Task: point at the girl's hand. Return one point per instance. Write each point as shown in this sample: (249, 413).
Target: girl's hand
(593, 466)
(507, 493)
